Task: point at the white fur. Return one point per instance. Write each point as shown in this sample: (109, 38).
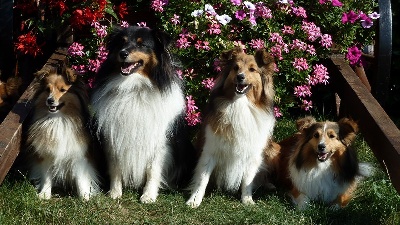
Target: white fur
(134, 117)
(318, 183)
(58, 142)
(234, 158)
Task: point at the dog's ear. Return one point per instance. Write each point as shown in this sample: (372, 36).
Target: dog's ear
(44, 72)
(71, 75)
(305, 122)
(264, 59)
(164, 38)
(230, 54)
(348, 130)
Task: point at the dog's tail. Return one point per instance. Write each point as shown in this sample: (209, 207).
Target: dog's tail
(365, 170)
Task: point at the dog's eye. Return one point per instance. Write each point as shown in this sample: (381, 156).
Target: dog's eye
(316, 135)
(236, 68)
(252, 69)
(47, 89)
(332, 136)
(63, 90)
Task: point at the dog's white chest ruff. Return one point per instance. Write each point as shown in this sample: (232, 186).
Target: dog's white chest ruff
(241, 148)
(319, 183)
(134, 117)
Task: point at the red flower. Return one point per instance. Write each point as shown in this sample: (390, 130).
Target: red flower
(82, 18)
(27, 45)
(121, 10)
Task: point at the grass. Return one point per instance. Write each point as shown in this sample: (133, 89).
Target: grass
(376, 202)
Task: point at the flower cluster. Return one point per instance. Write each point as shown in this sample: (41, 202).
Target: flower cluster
(296, 33)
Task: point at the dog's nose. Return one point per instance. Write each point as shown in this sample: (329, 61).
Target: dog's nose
(240, 77)
(123, 54)
(50, 101)
(321, 147)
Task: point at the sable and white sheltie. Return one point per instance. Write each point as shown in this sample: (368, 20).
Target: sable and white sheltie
(318, 162)
(238, 126)
(59, 136)
(138, 106)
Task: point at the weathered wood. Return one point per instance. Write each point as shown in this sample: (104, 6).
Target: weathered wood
(377, 128)
(11, 127)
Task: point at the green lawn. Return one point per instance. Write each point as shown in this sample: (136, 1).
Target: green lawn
(376, 202)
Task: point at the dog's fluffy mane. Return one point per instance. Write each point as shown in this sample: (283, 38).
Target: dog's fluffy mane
(164, 74)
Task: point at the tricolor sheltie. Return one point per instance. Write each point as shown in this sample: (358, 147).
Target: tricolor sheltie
(138, 106)
(238, 126)
(59, 136)
(320, 163)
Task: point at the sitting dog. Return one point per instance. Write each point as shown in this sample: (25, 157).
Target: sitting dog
(59, 135)
(138, 105)
(318, 162)
(238, 125)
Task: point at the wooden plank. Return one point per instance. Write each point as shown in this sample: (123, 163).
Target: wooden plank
(377, 128)
(11, 127)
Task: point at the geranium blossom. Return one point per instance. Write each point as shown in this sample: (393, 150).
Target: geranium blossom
(208, 83)
(300, 64)
(27, 44)
(277, 112)
(192, 116)
(326, 40)
(158, 5)
(307, 105)
(257, 43)
(302, 91)
(175, 20)
(76, 49)
(319, 75)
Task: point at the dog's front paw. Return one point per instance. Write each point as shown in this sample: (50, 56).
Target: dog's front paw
(301, 202)
(147, 198)
(44, 195)
(193, 204)
(114, 194)
(248, 200)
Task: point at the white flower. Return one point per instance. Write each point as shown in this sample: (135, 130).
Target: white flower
(209, 9)
(197, 13)
(224, 19)
(249, 5)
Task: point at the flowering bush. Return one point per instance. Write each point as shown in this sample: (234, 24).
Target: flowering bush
(297, 33)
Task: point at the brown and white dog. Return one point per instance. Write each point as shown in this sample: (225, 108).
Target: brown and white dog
(318, 162)
(238, 126)
(58, 134)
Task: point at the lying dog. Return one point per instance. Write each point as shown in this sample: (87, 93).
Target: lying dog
(318, 163)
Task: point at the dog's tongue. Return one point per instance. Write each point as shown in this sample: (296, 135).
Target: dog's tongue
(126, 68)
(322, 156)
(240, 88)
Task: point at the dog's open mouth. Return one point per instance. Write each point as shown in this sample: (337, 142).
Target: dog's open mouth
(55, 108)
(242, 88)
(127, 68)
(323, 156)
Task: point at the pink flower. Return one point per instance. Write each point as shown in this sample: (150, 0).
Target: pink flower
(307, 105)
(353, 55)
(217, 65)
(192, 117)
(299, 12)
(76, 49)
(277, 112)
(94, 65)
(350, 17)
(311, 30)
(208, 83)
(311, 50)
(175, 20)
(276, 51)
(80, 69)
(257, 43)
(302, 91)
(337, 3)
(102, 53)
(262, 11)
(287, 30)
(276, 37)
(236, 2)
(297, 44)
(319, 75)
(124, 24)
(214, 28)
(326, 40)
(300, 64)
(240, 14)
(182, 43)
(157, 5)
